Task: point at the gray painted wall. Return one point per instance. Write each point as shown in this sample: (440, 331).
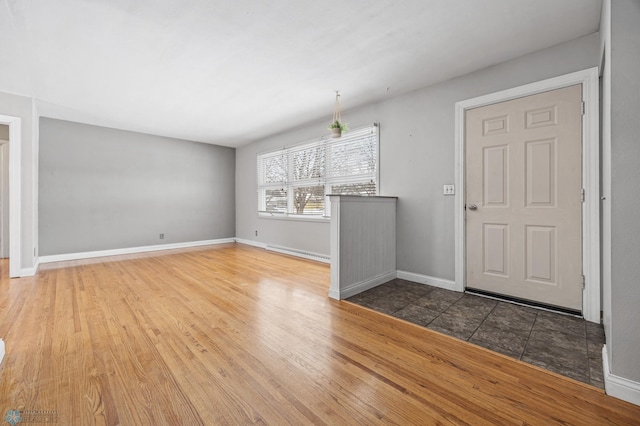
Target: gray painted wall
(416, 159)
(305, 235)
(104, 188)
(624, 341)
(4, 132)
(605, 162)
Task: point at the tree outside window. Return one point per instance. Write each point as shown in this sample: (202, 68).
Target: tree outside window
(297, 180)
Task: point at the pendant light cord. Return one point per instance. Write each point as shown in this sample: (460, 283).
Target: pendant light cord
(337, 116)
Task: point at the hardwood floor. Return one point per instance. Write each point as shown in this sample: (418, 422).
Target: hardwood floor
(237, 335)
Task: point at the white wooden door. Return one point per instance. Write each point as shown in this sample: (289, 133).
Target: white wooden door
(524, 198)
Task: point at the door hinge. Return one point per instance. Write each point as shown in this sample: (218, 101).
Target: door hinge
(582, 195)
(583, 281)
(582, 107)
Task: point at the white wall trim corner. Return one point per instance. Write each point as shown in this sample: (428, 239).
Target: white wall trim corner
(251, 243)
(617, 386)
(334, 249)
(361, 286)
(2, 350)
(30, 272)
(425, 279)
(591, 177)
(15, 193)
(131, 250)
(334, 294)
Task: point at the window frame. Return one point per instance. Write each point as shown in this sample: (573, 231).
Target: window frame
(289, 183)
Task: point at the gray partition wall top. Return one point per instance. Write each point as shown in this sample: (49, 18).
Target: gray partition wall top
(102, 188)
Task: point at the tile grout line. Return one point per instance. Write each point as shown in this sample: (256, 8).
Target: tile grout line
(446, 309)
(437, 316)
(483, 320)
(586, 344)
(526, 343)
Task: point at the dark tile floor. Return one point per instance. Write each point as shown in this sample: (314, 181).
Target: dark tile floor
(561, 343)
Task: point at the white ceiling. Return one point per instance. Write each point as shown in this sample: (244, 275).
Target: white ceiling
(230, 72)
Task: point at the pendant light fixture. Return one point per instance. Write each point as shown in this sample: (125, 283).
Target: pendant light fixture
(337, 126)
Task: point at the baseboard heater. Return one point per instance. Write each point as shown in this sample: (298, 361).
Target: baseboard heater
(524, 302)
(300, 253)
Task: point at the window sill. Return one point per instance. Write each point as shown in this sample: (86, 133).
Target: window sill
(297, 218)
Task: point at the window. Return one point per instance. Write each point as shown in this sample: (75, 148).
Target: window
(296, 181)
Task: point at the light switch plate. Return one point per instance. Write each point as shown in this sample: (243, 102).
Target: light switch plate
(448, 190)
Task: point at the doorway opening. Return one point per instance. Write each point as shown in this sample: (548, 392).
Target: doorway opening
(588, 79)
(4, 200)
(523, 198)
(14, 197)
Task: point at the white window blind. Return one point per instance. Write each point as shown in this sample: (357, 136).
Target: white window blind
(297, 180)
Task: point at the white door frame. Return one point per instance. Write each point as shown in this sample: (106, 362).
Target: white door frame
(4, 200)
(15, 188)
(590, 178)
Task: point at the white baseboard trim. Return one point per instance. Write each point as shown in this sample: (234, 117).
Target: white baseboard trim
(286, 250)
(251, 243)
(131, 250)
(1, 350)
(29, 272)
(617, 386)
(361, 286)
(425, 279)
(299, 253)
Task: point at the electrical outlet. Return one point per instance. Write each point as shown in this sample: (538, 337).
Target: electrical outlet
(448, 190)
(162, 236)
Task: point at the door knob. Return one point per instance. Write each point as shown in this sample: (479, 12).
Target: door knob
(473, 207)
